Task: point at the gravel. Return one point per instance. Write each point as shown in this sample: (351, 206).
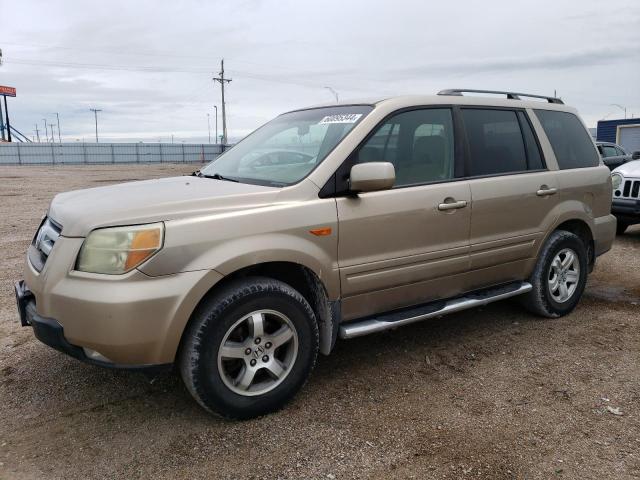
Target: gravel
(490, 393)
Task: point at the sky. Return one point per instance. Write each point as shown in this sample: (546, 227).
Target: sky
(148, 65)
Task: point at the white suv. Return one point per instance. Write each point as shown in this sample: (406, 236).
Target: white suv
(626, 195)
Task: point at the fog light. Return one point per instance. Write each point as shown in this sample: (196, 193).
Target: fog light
(93, 355)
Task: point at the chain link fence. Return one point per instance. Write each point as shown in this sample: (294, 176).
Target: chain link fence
(106, 153)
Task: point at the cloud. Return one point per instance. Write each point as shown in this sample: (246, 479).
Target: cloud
(148, 64)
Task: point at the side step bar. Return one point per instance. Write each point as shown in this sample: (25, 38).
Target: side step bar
(398, 318)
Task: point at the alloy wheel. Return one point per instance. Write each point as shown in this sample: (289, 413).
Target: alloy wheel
(564, 275)
(258, 352)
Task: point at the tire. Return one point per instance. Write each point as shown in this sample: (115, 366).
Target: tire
(215, 376)
(621, 227)
(543, 299)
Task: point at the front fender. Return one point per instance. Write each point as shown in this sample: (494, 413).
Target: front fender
(238, 254)
(279, 233)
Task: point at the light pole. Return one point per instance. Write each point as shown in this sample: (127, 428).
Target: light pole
(624, 109)
(46, 130)
(216, 108)
(95, 113)
(334, 92)
(209, 126)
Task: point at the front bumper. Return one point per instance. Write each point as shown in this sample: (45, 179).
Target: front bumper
(51, 333)
(626, 210)
(128, 320)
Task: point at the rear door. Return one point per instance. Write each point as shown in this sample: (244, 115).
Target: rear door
(513, 193)
(410, 244)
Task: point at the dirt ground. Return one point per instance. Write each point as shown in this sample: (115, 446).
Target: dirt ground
(491, 393)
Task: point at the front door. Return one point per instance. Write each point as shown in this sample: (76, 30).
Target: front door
(410, 244)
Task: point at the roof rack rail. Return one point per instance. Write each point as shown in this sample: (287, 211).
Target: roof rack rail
(510, 95)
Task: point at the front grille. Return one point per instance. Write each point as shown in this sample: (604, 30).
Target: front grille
(630, 189)
(43, 243)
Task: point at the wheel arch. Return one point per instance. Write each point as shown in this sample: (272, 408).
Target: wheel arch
(298, 276)
(581, 227)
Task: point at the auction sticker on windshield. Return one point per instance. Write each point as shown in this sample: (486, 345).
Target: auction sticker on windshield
(341, 118)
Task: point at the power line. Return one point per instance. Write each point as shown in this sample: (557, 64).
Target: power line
(96, 66)
(159, 69)
(128, 52)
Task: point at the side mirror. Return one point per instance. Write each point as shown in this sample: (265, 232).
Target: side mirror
(636, 155)
(372, 176)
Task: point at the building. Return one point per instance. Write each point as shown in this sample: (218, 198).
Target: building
(624, 132)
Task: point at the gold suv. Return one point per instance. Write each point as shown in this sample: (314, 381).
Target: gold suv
(332, 221)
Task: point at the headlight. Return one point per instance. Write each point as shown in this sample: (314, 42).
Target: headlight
(119, 249)
(616, 180)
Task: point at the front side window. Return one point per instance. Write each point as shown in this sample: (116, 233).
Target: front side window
(419, 144)
(289, 147)
(496, 143)
(570, 141)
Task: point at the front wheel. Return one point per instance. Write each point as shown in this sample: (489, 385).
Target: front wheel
(249, 348)
(559, 277)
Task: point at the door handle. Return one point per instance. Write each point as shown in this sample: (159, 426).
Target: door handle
(452, 205)
(545, 191)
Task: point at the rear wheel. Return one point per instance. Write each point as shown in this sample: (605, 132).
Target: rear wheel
(249, 348)
(559, 277)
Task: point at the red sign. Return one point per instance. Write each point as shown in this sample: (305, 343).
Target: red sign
(8, 91)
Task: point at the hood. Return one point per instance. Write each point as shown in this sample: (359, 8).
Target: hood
(629, 169)
(147, 201)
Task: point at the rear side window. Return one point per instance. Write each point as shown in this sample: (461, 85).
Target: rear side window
(496, 144)
(570, 141)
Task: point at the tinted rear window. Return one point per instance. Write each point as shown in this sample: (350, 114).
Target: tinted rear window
(570, 141)
(495, 141)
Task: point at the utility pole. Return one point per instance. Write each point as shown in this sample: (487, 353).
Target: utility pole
(37, 133)
(46, 131)
(58, 117)
(53, 138)
(95, 113)
(216, 137)
(221, 80)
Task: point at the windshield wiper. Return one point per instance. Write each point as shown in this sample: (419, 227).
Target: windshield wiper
(215, 176)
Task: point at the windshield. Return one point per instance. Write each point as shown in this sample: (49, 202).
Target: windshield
(288, 148)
